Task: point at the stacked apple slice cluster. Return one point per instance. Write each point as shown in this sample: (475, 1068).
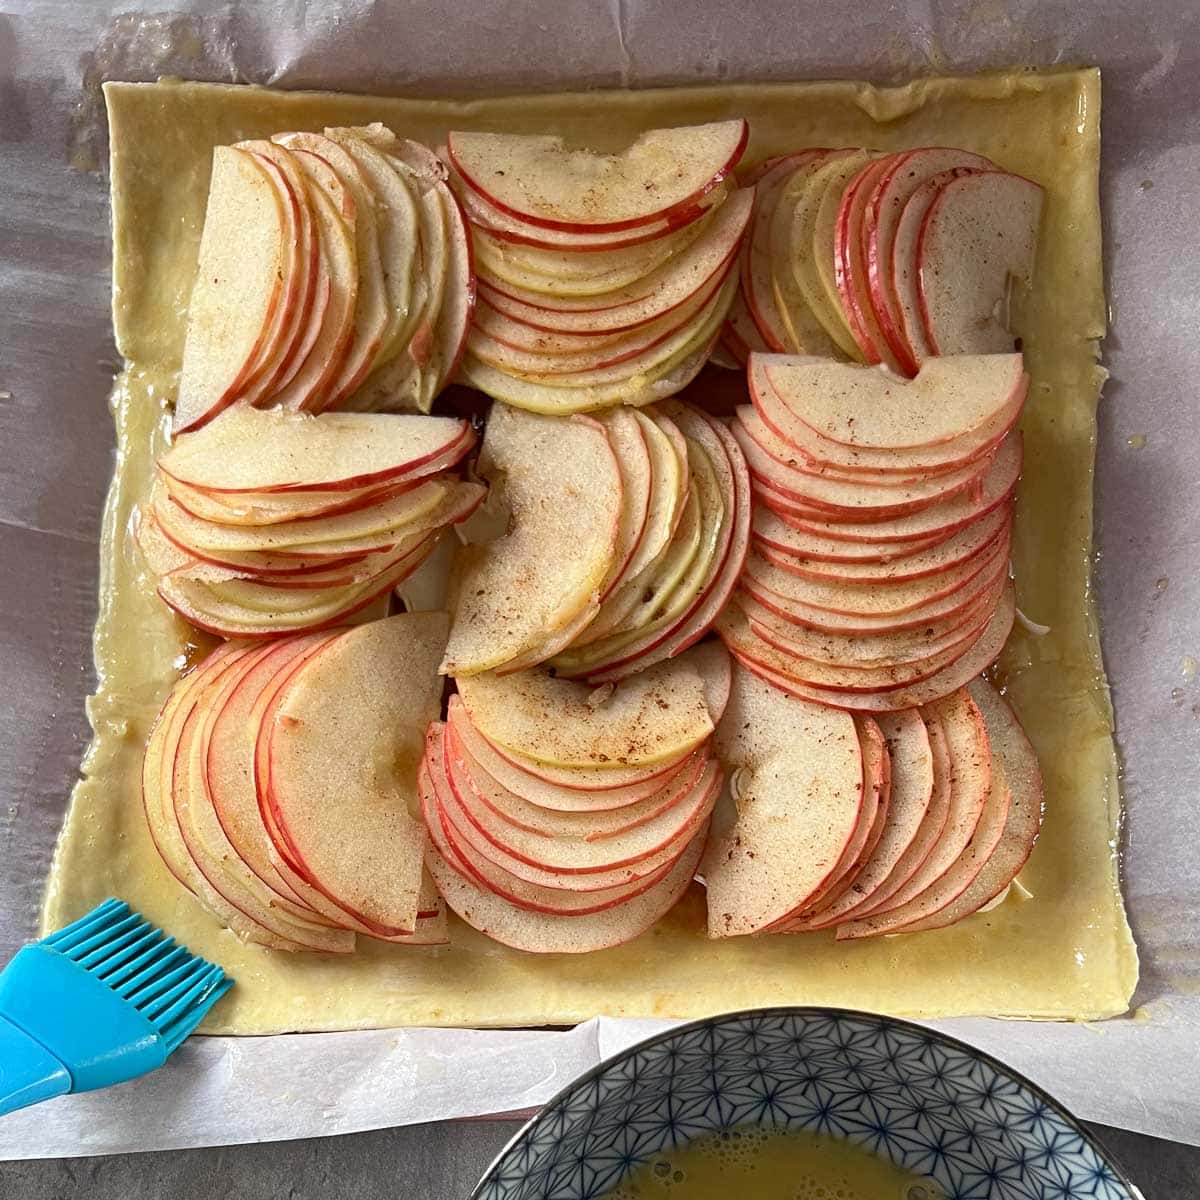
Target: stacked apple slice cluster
(565, 819)
(267, 522)
(883, 258)
(905, 822)
(878, 575)
(334, 272)
(279, 785)
(626, 537)
(603, 279)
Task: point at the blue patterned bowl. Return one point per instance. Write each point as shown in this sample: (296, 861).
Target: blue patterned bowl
(931, 1104)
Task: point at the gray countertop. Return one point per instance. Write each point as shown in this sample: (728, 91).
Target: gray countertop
(420, 1162)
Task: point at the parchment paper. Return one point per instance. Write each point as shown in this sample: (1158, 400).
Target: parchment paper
(56, 361)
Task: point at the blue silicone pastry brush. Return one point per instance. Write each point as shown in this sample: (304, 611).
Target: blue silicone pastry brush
(104, 1000)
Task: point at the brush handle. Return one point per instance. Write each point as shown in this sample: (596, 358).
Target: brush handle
(29, 1073)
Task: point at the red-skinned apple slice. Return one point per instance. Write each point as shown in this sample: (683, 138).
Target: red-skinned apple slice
(676, 281)
(758, 261)
(858, 407)
(976, 659)
(870, 599)
(906, 283)
(238, 287)
(908, 171)
(1015, 758)
(980, 232)
(534, 178)
(971, 801)
(857, 500)
(660, 646)
(371, 305)
(775, 409)
(576, 854)
(342, 736)
(482, 872)
(655, 717)
(160, 749)
(333, 212)
(850, 267)
(563, 488)
(939, 615)
(996, 487)
(798, 789)
(590, 824)
(877, 783)
(937, 772)
(250, 450)
(215, 855)
(565, 791)
(908, 803)
(769, 529)
(460, 829)
(960, 547)
(539, 932)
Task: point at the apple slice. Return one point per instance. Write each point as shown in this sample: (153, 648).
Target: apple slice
(249, 450)
(1014, 758)
(979, 234)
(536, 179)
(591, 825)
(798, 793)
(971, 801)
(397, 229)
(343, 740)
(573, 853)
(960, 547)
(570, 797)
(776, 410)
(238, 286)
(850, 264)
(907, 171)
(911, 790)
(768, 529)
(948, 400)
(570, 934)
(656, 716)
(479, 870)
(563, 486)
(472, 843)
(333, 213)
(678, 279)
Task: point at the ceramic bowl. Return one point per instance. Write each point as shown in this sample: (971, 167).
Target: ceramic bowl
(931, 1104)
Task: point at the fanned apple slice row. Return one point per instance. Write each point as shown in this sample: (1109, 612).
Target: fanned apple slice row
(239, 286)
(664, 289)
(907, 172)
(536, 179)
(343, 740)
(797, 782)
(1015, 759)
(333, 213)
(976, 818)
(570, 795)
(251, 450)
(783, 414)
(979, 234)
(563, 488)
(565, 934)
(481, 871)
(912, 781)
(573, 853)
(657, 715)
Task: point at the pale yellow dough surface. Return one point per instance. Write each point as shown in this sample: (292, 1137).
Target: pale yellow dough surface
(1065, 953)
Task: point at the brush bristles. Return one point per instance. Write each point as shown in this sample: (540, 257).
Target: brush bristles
(172, 988)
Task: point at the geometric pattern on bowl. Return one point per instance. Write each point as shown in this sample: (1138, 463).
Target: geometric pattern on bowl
(929, 1103)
